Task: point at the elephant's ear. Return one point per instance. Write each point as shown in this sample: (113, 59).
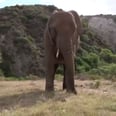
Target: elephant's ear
(49, 33)
(78, 21)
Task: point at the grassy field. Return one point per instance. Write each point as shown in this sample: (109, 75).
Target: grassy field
(28, 98)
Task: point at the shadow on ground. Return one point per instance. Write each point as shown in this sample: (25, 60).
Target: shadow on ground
(30, 98)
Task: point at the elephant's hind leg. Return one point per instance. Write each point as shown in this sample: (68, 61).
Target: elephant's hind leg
(64, 79)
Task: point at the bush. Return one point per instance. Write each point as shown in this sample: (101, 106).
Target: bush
(60, 70)
(95, 71)
(5, 64)
(80, 69)
(107, 56)
(81, 65)
(85, 38)
(113, 57)
(107, 71)
(90, 34)
(85, 23)
(1, 73)
(92, 59)
(95, 77)
(95, 85)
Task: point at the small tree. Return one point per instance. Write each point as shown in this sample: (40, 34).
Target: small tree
(92, 59)
(106, 55)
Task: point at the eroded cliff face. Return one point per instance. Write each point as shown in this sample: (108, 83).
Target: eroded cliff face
(21, 38)
(105, 27)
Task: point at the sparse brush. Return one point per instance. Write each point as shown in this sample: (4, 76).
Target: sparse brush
(95, 85)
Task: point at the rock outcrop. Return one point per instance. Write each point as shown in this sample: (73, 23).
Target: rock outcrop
(105, 27)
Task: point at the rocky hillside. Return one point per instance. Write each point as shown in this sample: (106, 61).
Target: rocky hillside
(105, 27)
(21, 38)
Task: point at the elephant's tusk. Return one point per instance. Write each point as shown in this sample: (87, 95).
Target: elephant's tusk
(57, 54)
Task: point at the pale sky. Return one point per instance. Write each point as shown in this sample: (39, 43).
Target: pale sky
(83, 7)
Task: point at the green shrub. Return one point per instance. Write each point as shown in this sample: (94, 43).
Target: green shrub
(85, 38)
(106, 55)
(92, 59)
(90, 34)
(1, 73)
(5, 64)
(95, 77)
(86, 46)
(85, 23)
(81, 65)
(80, 69)
(60, 70)
(107, 71)
(59, 77)
(95, 71)
(113, 57)
(95, 85)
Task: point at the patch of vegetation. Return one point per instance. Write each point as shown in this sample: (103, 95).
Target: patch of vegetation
(5, 64)
(59, 77)
(60, 70)
(95, 85)
(13, 78)
(1, 73)
(93, 59)
(107, 56)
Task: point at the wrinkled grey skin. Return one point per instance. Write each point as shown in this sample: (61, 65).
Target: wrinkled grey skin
(61, 39)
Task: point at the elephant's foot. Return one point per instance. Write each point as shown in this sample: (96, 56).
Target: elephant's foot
(72, 91)
(64, 81)
(49, 88)
(64, 86)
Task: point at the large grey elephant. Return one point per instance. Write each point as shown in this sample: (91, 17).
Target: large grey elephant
(61, 36)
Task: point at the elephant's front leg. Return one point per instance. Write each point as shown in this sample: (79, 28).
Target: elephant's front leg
(50, 73)
(69, 72)
(50, 78)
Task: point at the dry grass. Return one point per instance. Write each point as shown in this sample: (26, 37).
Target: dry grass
(27, 98)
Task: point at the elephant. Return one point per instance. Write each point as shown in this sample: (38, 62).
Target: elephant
(61, 39)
